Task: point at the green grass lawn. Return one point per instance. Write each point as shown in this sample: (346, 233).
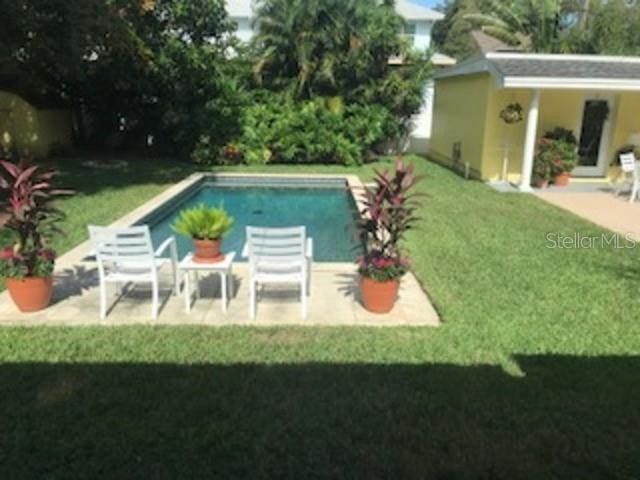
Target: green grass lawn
(535, 372)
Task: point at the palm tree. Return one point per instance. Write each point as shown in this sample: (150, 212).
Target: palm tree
(290, 34)
(316, 43)
(531, 25)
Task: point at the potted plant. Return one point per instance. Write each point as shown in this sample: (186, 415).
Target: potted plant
(206, 226)
(559, 149)
(27, 265)
(388, 214)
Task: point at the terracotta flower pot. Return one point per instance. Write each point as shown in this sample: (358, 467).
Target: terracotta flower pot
(30, 294)
(540, 183)
(207, 251)
(562, 179)
(378, 297)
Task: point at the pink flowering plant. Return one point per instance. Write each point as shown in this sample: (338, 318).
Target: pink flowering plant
(388, 215)
(32, 220)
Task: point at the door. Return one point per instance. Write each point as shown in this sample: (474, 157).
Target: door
(594, 137)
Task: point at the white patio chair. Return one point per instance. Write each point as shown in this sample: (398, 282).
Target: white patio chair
(631, 170)
(126, 255)
(277, 256)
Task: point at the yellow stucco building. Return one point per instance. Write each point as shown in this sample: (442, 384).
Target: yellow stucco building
(569, 91)
(30, 130)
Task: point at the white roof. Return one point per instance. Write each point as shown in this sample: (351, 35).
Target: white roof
(414, 11)
(408, 9)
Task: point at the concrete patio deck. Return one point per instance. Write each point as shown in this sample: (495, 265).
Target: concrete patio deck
(334, 301)
(599, 205)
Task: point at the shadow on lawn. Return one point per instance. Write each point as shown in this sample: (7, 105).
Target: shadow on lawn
(93, 174)
(567, 417)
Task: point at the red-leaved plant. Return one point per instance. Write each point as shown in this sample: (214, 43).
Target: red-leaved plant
(389, 213)
(32, 219)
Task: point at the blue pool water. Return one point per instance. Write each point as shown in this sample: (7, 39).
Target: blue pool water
(327, 210)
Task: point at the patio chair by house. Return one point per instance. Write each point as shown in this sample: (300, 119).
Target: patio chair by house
(126, 255)
(278, 256)
(631, 170)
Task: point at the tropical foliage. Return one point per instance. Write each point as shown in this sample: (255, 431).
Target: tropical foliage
(336, 48)
(309, 50)
(32, 220)
(389, 213)
(531, 25)
(203, 223)
(565, 26)
(452, 34)
(311, 131)
(611, 28)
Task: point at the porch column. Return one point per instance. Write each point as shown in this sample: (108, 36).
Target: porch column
(530, 142)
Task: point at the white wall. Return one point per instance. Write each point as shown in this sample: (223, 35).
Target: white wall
(422, 38)
(421, 131)
(421, 123)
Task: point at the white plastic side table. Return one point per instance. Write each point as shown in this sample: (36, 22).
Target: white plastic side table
(224, 269)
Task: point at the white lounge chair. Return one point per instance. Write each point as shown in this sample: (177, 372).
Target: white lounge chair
(126, 255)
(631, 170)
(278, 255)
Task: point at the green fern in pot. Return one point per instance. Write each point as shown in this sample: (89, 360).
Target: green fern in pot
(206, 226)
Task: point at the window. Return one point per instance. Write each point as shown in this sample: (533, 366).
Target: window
(409, 29)
(409, 32)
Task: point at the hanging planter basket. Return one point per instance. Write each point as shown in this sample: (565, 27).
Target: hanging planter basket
(512, 113)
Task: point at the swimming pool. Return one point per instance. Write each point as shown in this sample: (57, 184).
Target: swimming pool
(325, 206)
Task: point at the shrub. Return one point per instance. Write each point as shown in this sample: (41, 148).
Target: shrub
(203, 223)
(316, 131)
(556, 153)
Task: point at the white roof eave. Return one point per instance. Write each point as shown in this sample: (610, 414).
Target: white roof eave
(569, 83)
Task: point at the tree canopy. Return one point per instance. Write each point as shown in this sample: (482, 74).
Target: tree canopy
(149, 63)
(172, 70)
(452, 35)
(338, 48)
(611, 28)
(560, 26)
(531, 25)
